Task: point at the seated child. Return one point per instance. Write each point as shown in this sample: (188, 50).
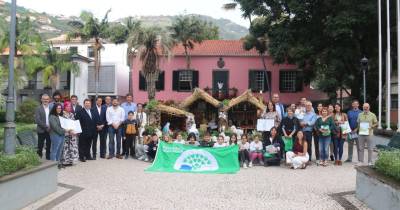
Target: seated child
(152, 147)
(220, 142)
(179, 139)
(206, 142)
(244, 147)
(256, 152)
(191, 140)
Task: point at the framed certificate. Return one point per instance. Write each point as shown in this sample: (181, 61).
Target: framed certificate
(364, 129)
(265, 124)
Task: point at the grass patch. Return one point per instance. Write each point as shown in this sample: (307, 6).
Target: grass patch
(24, 158)
(388, 163)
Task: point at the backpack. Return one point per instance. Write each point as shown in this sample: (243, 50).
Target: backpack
(130, 129)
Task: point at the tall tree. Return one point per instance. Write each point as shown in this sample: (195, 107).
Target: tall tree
(90, 27)
(189, 30)
(325, 38)
(258, 40)
(150, 45)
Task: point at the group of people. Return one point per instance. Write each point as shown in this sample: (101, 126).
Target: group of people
(295, 130)
(121, 123)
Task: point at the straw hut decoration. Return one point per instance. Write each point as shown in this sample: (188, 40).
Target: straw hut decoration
(242, 111)
(204, 107)
(177, 117)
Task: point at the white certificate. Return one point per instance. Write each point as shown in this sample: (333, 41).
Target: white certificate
(265, 124)
(73, 125)
(364, 129)
(345, 127)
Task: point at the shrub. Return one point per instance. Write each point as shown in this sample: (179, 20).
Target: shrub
(388, 163)
(26, 111)
(152, 104)
(24, 158)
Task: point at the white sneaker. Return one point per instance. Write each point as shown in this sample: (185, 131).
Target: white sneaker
(244, 165)
(370, 164)
(146, 160)
(141, 158)
(250, 164)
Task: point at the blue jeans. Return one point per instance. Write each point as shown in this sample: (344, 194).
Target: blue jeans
(324, 142)
(338, 148)
(111, 144)
(57, 145)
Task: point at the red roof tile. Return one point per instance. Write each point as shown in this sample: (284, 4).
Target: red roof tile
(216, 48)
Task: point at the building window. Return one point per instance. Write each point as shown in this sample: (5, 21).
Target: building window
(290, 81)
(90, 52)
(159, 82)
(394, 101)
(73, 50)
(258, 80)
(57, 49)
(185, 80)
(107, 81)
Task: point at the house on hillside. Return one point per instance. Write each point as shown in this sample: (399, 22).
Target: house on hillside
(114, 71)
(224, 70)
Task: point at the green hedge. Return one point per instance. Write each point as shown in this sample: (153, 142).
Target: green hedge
(24, 158)
(26, 111)
(389, 163)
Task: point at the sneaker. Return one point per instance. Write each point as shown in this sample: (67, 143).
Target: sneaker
(244, 165)
(146, 160)
(261, 162)
(141, 158)
(359, 163)
(126, 157)
(370, 164)
(348, 161)
(250, 165)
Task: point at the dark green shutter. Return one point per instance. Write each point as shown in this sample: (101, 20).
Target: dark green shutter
(267, 75)
(175, 80)
(142, 82)
(252, 79)
(160, 81)
(280, 81)
(195, 79)
(299, 81)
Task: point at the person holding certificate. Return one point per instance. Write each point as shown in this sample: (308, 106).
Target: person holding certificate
(326, 127)
(366, 122)
(271, 115)
(70, 154)
(353, 136)
(341, 121)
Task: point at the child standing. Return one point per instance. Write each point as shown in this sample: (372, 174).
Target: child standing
(130, 131)
(256, 148)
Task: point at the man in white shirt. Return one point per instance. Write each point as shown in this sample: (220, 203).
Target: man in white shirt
(43, 128)
(115, 115)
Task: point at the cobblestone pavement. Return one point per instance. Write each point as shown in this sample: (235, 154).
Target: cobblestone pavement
(123, 184)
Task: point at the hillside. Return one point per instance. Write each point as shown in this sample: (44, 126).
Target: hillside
(54, 25)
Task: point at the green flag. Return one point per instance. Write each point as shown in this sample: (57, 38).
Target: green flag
(193, 159)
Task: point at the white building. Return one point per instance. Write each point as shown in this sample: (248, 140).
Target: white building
(114, 71)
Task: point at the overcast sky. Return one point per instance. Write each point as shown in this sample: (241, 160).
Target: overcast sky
(124, 8)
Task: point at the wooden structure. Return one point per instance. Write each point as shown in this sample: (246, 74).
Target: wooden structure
(177, 117)
(242, 110)
(202, 105)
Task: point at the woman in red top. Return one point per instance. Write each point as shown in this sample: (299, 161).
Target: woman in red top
(298, 158)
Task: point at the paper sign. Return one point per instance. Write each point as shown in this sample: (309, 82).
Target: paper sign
(345, 127)
(69, 124)
(364, 129)
(265, 124)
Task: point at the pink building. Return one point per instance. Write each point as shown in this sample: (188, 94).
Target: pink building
(226, 63)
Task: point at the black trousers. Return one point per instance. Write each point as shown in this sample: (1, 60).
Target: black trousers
(103, 142)
(84, 144)
(42, 138)
(308, 135)
(316, 146)
(129, 146)
(244, 156)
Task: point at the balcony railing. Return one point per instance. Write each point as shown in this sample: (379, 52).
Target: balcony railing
(222, 95)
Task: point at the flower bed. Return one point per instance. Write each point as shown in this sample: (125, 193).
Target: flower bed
(24, 158)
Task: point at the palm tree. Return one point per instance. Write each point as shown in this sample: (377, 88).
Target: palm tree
(149, 46)
(90, 27)
(188, 30)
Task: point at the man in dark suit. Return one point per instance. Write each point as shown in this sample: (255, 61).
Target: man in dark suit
(88, 122)
(42, 121)
(100, 115)
(75, 106)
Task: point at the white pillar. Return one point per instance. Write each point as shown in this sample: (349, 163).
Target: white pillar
(380, 65)
(388, 66)
(398, 65)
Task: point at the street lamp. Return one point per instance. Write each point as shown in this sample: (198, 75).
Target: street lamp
(9, 128)
(364, 68)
